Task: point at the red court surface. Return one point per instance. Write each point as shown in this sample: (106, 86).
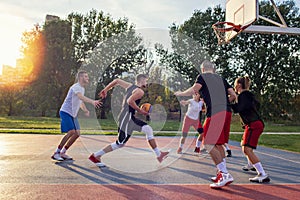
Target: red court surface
(27, 172)
(172, 192)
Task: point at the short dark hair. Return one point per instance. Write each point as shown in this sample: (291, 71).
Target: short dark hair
(140, 76)
(80, 73)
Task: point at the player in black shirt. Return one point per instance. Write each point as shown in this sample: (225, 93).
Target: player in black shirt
(217, 95)
(127, 120)
(247, 107)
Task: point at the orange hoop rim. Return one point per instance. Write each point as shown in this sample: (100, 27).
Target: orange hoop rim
(232, 27)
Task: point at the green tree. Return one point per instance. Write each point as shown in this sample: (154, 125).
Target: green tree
(271, 61)
(106, 48)
(57, 68)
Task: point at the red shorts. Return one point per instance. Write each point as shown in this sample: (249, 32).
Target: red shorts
(188, 122)
(217, 128)
(252, 133)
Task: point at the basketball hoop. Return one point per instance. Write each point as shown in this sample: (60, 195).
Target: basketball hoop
(224, 30)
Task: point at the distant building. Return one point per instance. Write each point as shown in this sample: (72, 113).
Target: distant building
(50, 18)
(20, 74)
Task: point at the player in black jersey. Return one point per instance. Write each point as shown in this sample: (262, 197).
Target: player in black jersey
(127, 120)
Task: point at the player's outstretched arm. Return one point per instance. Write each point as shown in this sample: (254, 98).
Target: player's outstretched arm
(112, 84)
(190, 91)
(95, 103)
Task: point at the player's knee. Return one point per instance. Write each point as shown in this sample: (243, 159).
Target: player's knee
(116, 145)
(77, 133)
(148, 131)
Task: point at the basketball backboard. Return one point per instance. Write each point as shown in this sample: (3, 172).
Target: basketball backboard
(246, 12)
(240, 12)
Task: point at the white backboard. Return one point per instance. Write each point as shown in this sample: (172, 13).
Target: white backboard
(241, 12)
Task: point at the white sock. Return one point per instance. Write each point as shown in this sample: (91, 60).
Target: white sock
(227, 147)
(157, 151)
(222, 167)
(181, 146)
(198, 143)
(224, 160)
(259, 168)
(63, 150)
(99, 153)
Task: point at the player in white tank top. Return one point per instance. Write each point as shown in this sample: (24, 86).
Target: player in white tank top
(191, 118)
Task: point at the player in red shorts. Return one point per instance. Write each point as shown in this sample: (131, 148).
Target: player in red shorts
(191, 118)
(247, 107)
(217, 95)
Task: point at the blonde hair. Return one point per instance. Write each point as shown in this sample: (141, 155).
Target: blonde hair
(244, 81)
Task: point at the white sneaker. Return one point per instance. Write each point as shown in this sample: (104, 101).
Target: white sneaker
(223, 179)
(56, 156)
(260, 179)
(213, 179)
(65, 156)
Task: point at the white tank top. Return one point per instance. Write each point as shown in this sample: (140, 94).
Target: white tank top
(194, 108)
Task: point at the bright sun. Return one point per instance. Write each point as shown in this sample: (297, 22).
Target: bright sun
(11, 30)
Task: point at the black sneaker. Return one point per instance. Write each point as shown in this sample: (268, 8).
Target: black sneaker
(248, 168)
(229, 153)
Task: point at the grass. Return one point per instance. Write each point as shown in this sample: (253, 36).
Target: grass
(278, 141)
(47, 125)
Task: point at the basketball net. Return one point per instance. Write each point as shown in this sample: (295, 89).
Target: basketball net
(223, 30)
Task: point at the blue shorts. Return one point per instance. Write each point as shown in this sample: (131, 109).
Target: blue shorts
(68, 123)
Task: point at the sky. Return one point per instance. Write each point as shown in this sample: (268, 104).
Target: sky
(17, 16)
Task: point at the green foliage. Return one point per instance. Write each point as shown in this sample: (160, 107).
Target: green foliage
(272, 61)
(280, 141)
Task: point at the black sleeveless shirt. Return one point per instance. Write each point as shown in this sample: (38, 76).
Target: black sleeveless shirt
(125, 106)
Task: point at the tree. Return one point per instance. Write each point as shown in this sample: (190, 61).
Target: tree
(56, 69)
(106, 49)
(271, 61)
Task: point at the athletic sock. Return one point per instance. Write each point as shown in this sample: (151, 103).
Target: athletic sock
(181, 146)
(157, 151)
(99, 153)
(259, 168)
(227, 147)
(57, 150)
(224, 160)
(63, 150)
(198, 143)
(222, 167)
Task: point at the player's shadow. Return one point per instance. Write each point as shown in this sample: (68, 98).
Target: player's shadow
(102, 175)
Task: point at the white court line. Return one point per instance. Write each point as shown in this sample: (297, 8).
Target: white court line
(279, 157)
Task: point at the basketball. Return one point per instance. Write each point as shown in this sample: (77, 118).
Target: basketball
(146, 107)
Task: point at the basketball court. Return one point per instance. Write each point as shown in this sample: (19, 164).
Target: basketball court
(28, 172)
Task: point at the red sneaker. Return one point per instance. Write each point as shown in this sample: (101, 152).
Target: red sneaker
(96, 161)
(163, 155)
